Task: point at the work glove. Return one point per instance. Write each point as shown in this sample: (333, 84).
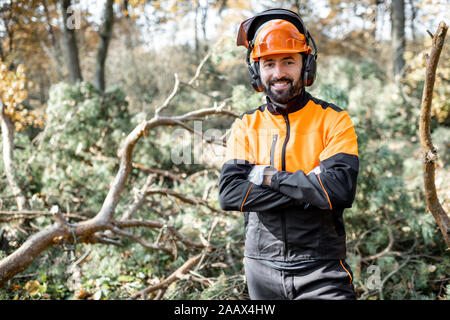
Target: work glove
(256, 175)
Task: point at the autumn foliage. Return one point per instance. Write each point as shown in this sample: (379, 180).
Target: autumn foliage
(13, 93)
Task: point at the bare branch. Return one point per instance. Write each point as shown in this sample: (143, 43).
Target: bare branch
(158, 225)
(199, 68)
(141, 241)
(137, 204)
(387, 250)
(186, 199)
(213, 225)
(429, 151)
(138, 223)
(160, 172)
(31, 214)
(187, 242)
(170, 97)
(390, 275)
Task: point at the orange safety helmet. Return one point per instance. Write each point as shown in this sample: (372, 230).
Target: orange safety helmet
(276, 31)
(278, 36)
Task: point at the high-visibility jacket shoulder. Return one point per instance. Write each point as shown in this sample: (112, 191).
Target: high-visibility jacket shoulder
(313, 144)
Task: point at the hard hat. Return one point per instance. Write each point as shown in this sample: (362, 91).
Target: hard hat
(278, 36)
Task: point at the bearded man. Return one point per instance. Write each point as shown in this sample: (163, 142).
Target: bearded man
(291, 167)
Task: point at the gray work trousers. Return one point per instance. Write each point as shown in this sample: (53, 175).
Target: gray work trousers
(316, 280)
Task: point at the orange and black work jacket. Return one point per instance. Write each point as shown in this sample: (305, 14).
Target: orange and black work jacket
(299, 216)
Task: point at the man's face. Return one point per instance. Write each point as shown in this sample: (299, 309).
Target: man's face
(280, 76)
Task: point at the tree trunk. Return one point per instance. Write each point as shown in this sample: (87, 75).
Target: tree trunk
(8, 157)
(398, 37)
(2, 55)
(105, 37)
(56, 53)
(70, 42)
(413, 18)
(197, 52)
(204, 21)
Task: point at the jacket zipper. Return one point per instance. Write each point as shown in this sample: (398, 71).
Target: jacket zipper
(272, 150)
(288, 132)
(283, 167)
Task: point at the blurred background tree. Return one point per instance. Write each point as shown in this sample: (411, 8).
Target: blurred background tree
(75, 90)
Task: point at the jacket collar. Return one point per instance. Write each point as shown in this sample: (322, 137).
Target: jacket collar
(295, 104)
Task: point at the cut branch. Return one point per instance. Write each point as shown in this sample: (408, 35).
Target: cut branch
(429, 151)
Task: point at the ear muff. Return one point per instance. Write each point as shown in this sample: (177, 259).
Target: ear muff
(309, 69)
(253, 70)
(255, 79)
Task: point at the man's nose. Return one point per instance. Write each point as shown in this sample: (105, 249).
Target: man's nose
(278, 71)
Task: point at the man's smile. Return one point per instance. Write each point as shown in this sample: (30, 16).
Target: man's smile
(280, 85)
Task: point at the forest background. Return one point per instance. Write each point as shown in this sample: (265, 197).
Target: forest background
(114, 116)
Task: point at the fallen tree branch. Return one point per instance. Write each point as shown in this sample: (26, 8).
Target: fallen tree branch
(188, 265)
(429, 151)
(85, 231)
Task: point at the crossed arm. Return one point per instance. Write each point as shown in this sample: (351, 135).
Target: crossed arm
(334, 186)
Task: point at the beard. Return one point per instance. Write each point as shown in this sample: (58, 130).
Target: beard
(283, 96)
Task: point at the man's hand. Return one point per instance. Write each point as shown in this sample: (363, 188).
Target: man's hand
(261, 175)
(268, 176)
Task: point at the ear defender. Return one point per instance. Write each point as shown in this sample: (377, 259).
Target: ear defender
(309, 69)
(255, 78)
(253, 70)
